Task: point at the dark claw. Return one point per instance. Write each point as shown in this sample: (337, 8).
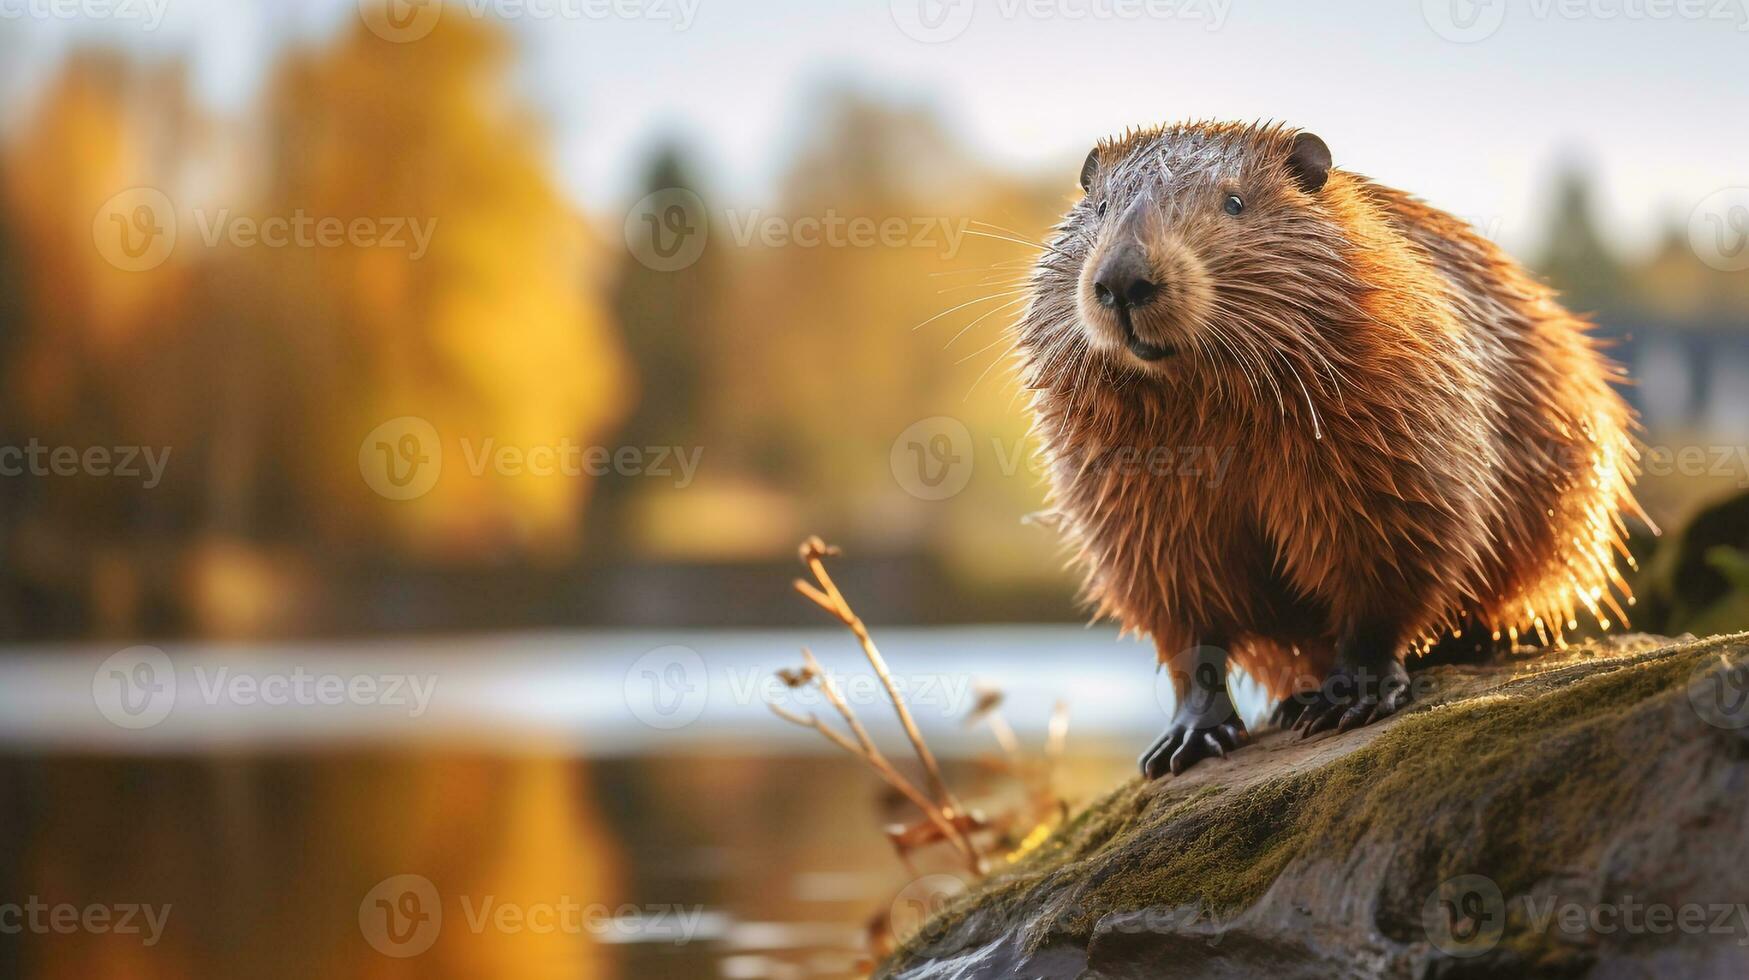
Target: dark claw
(1318, 718)
(1357, 716)
(1395, 700)
(1180, 747)
(1188, 753)
(1287, 714)
(1156, 760)
(1351, 698)
(1199, 744)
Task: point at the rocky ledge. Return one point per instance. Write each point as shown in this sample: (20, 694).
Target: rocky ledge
(1581, 814)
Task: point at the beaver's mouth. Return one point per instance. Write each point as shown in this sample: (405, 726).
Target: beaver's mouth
(1138, 346)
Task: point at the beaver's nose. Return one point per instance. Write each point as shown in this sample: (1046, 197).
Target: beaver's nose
(1124, 278)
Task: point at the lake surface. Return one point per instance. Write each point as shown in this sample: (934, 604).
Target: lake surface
(614, 804)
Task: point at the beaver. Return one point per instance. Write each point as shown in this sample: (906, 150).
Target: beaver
(1422, 439)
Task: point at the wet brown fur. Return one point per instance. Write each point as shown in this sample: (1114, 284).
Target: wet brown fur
(1421, 437)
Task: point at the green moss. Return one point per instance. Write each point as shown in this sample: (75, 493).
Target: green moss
(1562, 744)
(1503, 771)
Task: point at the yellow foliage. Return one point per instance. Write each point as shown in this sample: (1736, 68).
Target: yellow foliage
(494, 334)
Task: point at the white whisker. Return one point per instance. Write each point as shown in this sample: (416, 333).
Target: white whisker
(969, 302)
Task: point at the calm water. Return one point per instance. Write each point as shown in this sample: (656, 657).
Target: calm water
(563, 805)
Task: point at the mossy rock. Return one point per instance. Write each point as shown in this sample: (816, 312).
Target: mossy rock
(1583, 813)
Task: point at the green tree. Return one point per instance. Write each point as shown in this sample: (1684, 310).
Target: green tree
(1574, 256)
(670, 321)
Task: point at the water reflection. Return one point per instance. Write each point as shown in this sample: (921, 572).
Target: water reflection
(464, 850)
(540, 866)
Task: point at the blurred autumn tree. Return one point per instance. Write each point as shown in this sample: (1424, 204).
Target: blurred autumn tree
(11, 491)
(261, 368)
(1673, 286)
(1668, 283)
(792, 355)
(86, 366)
(497, 333)
(840, 349)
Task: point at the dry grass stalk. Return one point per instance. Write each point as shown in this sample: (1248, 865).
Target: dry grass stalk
(863, 746)
(1014, 832)
(1038, 775)
(814, 553)
(988, 710)
(1055, 742)
(944, 819)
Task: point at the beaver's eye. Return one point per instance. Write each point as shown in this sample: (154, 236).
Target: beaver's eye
(1101, 209)
(1232, 205)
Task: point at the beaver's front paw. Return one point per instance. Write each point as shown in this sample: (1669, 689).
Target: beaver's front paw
(1287, 712)
(1179, 747)
(1354, 696)
(1204, 721)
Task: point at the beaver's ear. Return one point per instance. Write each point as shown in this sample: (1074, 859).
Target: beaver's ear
(1088, 168)
(1309, 162)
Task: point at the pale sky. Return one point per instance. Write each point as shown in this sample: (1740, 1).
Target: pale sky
(1651, 92)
